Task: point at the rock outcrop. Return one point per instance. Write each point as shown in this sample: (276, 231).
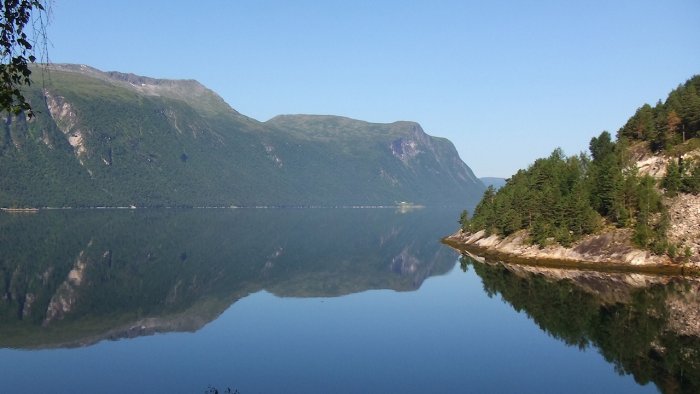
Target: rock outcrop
(684, 211)
(610, 249)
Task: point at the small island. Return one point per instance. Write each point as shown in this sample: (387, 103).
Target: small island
(632, 204)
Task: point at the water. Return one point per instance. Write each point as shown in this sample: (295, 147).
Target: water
(314, 301)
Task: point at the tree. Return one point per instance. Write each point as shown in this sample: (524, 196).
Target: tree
(672, 182)
(641, 125)
(649, 203)
(484, 216)
(601, 146)
(690, 112)
(673, 122)
(464, 220)
(19, 49)
(606, 177)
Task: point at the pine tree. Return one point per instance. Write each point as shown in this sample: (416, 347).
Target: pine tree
(690, 101)
(464, 220)
(606, 184)
(649, 202)
(673, 123)
(484, 215)
(672, 182)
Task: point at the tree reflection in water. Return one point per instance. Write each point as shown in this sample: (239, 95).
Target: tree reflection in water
(647, 326)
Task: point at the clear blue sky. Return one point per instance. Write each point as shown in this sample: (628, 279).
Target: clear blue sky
(506, 81)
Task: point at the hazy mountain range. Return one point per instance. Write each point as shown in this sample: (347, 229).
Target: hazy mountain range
(497, 183)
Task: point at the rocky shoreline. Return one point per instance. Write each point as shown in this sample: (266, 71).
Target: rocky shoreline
(610, 250)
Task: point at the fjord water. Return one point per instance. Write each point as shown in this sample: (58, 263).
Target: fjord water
(305, 300)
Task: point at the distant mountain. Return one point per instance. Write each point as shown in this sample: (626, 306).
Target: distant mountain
(497, 183)
(115, 139)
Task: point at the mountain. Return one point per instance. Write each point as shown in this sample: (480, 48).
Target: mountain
(497, 183)
(375, 160)
(116, 139)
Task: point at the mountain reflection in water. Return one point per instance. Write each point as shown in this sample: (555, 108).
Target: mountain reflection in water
(647, 326)
(74, 278)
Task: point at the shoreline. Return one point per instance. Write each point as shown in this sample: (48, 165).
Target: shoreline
(132, 207)
(601, 252)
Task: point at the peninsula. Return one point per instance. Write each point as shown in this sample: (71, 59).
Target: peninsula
(633, 203)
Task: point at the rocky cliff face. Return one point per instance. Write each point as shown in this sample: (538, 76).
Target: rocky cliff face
(684, 211)
(611, 249)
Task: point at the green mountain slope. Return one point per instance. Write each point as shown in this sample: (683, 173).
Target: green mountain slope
(114, 139)
(364, 161)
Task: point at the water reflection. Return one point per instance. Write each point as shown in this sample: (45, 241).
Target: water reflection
(76, 278)
(647, 326)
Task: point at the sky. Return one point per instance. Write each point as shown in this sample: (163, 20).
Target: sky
(506, 81)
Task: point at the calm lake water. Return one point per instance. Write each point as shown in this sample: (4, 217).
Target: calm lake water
(318, 301)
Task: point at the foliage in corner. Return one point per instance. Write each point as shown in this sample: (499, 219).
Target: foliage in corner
(19, 50)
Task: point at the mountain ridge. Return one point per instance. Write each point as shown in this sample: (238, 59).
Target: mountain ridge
(118, 139)
(182, 89)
